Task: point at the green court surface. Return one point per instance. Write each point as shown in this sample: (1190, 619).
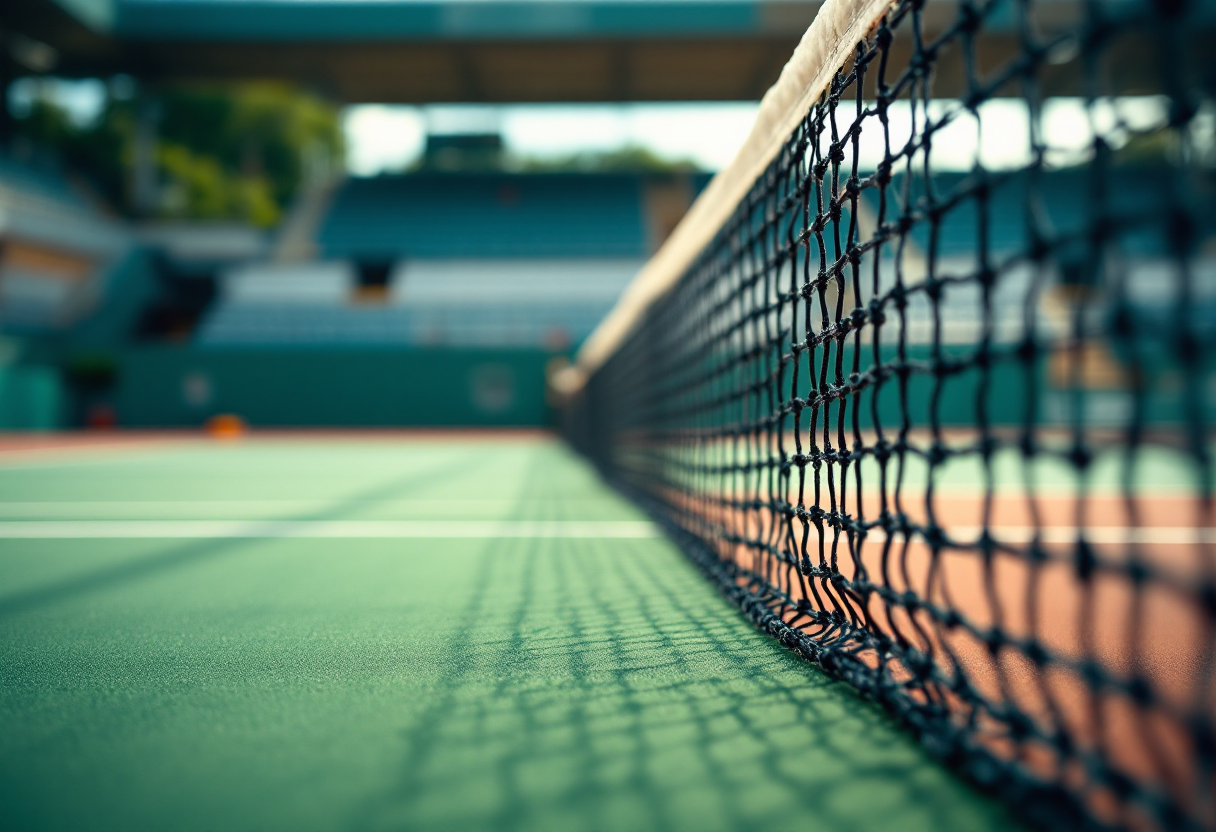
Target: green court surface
(558, 680)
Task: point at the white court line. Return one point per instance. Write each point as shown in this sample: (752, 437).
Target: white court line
(70, 529)
(89, 506)
(480, 529)
(172, 509)
(1101, 535)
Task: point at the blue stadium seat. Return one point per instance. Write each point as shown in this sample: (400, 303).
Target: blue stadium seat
(487, 215)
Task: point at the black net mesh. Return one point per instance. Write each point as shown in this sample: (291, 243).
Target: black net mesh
(935, 405)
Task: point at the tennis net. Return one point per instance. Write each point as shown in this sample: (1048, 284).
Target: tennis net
(924, 381)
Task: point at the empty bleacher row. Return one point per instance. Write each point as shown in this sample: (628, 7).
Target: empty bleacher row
(55, 248)
(487, 215)
(520, 303)
(518, 260)
(536, 260)
(556, 328)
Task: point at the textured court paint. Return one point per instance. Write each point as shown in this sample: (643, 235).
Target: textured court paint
(413, 684)
(332, 529)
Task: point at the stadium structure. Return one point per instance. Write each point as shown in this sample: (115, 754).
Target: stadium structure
(464, 284)
(481, 278)
(453, 286)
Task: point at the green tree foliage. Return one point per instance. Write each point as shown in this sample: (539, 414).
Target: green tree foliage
(484, 152)
(236, 152)
(99, 151)
(628, 159)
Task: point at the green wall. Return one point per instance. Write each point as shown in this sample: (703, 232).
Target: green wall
(31, 398)
(160, 386)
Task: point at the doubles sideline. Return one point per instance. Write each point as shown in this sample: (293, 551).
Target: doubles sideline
(480, 529)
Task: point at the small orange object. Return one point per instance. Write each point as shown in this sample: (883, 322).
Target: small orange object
(101, 417)
(226, 426)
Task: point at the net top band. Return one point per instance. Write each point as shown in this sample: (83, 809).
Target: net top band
(824, 48)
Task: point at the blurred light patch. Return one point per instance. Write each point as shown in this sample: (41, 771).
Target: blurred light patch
(83, 99)
(384, 138)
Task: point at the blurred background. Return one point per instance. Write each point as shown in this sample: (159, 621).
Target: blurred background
(391, 213)
(328, 213)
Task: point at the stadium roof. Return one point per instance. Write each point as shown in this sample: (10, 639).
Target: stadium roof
(419, 51)
(464, 50)
(378, 20)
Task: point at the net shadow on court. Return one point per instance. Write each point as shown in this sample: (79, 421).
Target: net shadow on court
(863, 300)
(665, 717)
(516, 683)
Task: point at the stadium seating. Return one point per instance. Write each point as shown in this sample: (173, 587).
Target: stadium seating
(38, 181)
(487, 260)
(56, 249)
(535, 260)
(522, 303)
(1148, 282)
(487, 215)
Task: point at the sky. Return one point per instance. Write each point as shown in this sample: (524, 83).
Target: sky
(385, 137)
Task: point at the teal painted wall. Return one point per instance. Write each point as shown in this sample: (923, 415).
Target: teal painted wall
(160, 386)
(31, 398)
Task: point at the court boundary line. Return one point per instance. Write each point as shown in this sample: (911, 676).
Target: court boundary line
(538, 529)
(326, 529)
